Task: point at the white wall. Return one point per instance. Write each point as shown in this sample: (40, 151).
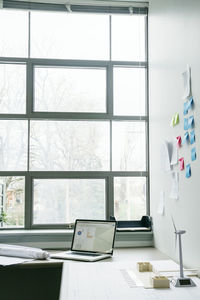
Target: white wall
(174, 40)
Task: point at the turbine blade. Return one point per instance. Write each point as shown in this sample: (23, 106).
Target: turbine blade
(175, 240)
(174, 224)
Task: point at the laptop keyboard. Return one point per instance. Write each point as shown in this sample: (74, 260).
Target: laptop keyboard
(83, 253)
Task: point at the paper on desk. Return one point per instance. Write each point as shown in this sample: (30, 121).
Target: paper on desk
(6, 261)
(164, 157)
(187, 83)
(177, 273)
(166, 265)
(174, 194)
(170, 268)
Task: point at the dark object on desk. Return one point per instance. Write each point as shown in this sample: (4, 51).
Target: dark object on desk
(34, 281)
(140, 225)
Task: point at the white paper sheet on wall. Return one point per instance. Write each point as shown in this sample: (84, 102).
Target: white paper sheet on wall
(173, 152)
(164, 157)
(161, 205)
(187, 83)
(174, 194)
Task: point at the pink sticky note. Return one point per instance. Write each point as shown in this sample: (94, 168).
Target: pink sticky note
(181, 163)
(178, 141)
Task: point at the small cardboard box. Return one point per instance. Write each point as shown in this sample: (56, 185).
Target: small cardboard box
(144, 267)
(160, 282)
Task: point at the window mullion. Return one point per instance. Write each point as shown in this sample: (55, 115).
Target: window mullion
(28, 201)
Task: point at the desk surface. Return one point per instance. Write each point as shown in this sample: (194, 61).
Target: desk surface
(104, 280)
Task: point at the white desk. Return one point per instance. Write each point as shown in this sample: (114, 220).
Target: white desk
(104, 280)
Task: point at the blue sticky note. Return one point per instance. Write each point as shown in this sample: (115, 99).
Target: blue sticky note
(190, 103)
(185, 123)
(193, 154)
(185, 138)
(190, 122)
(192, 137)
(188, 171)
(185, 108)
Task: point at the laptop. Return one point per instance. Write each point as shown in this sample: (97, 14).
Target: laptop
(93, 240)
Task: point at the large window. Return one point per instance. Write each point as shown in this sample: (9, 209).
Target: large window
(73, 117)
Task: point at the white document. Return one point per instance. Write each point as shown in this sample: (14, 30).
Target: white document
(167, 265)
(174, 194)
(7, 261)
(22, 251)
(173, 152)
(187, 83)
(161, 205)
(164, 157)
(170, 268)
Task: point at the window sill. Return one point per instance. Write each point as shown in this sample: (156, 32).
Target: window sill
(61, 239)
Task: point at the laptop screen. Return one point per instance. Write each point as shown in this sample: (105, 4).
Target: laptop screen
(94, 236)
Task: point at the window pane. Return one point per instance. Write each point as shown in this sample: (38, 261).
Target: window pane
(129, 146)
(13, 145)
(13, 33)
(12, 88)
(128, 38)
(129, 198)
(74, 36)
(70, 89)
(69, 145)
(64, 200)
(129, 91)
(12, 191)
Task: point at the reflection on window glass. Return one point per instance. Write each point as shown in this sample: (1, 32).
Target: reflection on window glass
(72, 36)
(129, 198)
(13, 33)
(69, 145)
(65, 200)
(129, 91)
(12, 88)
(12, 201)
(128, 38)
(70, 89)
(129, 146)
(13, 145)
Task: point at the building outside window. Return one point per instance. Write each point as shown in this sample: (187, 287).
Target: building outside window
(73, 116)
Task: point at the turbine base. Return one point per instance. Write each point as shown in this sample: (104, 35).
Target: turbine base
(185, 281)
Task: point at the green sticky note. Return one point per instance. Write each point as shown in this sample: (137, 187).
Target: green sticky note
(175, 120)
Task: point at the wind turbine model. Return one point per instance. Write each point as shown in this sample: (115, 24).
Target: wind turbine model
(181, 281)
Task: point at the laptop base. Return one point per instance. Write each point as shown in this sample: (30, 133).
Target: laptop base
(71, 255)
